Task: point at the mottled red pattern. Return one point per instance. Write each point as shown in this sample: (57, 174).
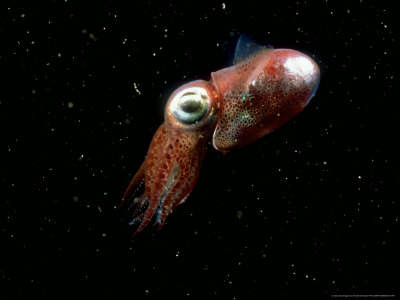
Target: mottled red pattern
(257, 95)
(174, 172)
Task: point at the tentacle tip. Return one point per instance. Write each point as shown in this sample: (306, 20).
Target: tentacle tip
(134, 221)
(159, 227)
(159, 222)
(136, 233)
(121, 203)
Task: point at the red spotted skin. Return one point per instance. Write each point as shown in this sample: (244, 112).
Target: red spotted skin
(172, 166)
(261, 94)
(246, 101)
(173, 163)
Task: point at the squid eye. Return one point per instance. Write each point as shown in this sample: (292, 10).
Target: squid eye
(190, 106)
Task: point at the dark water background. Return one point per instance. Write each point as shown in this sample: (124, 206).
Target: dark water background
(311, 209)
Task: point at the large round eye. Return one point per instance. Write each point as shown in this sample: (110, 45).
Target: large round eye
(190, 106)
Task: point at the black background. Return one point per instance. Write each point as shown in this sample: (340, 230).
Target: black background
(311, 209)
